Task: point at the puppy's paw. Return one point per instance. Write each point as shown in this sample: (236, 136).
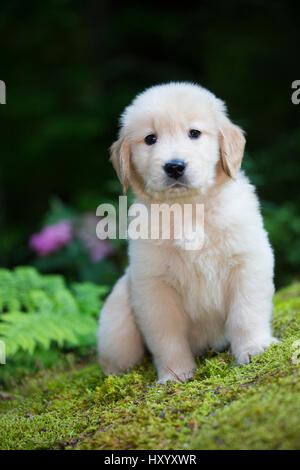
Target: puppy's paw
(170, 375)
(244, 353)
(110, 369)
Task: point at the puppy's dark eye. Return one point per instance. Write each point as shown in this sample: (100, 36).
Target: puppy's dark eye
(150, 139)
(194, 134)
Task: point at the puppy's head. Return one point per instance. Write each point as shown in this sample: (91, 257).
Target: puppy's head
(176, 140)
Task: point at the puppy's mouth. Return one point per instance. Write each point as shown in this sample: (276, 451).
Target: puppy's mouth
(177, 187)
(171, 188)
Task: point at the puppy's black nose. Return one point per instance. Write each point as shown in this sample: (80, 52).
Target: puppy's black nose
(175, 168)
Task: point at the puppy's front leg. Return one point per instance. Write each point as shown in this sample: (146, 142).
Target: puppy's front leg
(159, 313)
(250, 307)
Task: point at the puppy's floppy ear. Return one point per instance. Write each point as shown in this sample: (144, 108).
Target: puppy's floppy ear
(120, 158)
(232, 144)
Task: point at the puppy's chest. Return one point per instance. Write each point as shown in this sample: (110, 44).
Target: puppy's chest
(205, 266)
(201, 277)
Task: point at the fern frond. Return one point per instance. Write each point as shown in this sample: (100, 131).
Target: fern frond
(89, 297)
(40, 311)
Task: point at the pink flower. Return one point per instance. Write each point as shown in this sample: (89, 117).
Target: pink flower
(52, 238)
(97, 249)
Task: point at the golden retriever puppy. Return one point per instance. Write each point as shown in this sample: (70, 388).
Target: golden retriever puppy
(176, 144)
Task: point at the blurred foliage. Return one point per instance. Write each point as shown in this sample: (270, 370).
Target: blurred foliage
(75, 260)
(71, 67)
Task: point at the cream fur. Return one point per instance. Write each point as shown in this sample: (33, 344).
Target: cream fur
(178, 302)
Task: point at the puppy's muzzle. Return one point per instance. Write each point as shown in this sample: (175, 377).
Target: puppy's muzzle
(175, 169)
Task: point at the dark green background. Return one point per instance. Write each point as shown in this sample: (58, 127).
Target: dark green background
(71, 67)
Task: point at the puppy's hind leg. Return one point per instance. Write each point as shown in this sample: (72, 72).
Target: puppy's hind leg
(120, 344)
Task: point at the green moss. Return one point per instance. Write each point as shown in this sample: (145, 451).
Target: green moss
(223, 407)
